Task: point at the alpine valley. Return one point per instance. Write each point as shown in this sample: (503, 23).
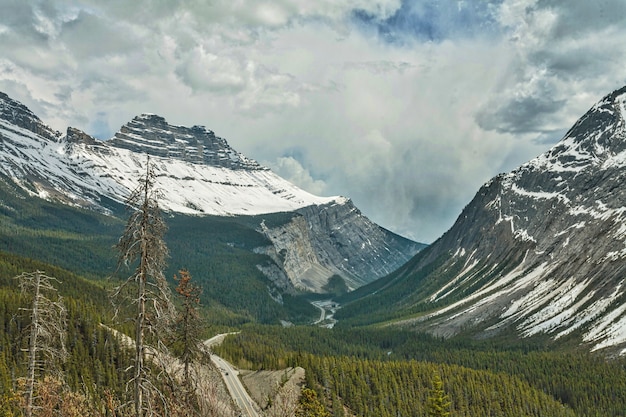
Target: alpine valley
(518, 310)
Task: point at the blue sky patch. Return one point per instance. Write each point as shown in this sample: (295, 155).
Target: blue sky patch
(433, 20)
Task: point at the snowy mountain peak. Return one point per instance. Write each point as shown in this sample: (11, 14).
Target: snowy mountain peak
(19, 115)
(151, 134)
(200, 174)
(597, 137)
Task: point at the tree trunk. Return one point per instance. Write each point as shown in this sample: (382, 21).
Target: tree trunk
(139, 345)
(141, 308)
(32, 349)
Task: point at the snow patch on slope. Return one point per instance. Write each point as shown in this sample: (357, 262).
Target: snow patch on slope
(539, 195)
(610, 330)
(589, 314)
(452, 282)
(556, 304)
(483, 292)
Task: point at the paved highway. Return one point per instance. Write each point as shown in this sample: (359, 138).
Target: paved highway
(233, 383)
(326, 307)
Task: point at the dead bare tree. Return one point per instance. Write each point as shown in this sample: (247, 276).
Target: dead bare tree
(142, 245)
(48, 325)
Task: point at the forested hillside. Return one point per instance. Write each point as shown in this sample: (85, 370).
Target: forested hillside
(369, 371)
(217, 250)
(388, 372)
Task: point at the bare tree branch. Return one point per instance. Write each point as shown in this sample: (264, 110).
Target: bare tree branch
(142, 246)
(47, 330)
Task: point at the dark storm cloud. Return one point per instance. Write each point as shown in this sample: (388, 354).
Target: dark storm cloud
(521, 114)
(578, 17)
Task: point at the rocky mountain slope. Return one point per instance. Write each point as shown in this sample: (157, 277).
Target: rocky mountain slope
(199, 174)
(540, 250)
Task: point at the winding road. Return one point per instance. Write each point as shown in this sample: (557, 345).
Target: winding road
(326, 307)
(231, 378)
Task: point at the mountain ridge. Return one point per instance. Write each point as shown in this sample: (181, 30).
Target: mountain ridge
(18, 114)
(540, 251)
(153, 135)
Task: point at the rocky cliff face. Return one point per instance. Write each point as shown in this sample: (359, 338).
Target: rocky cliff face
(335, 239)
(541, 250)
(15, 113)
(199, 174)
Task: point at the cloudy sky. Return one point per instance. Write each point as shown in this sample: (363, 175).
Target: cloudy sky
(405, 106)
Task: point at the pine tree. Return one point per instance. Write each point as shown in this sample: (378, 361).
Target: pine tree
(438, 402)
(142, 244)
(310, 405)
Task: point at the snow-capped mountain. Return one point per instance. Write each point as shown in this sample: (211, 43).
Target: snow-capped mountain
(199, 174)
(541, 250)
(199, 171)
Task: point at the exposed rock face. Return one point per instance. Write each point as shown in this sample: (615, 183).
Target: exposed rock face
(76, 136)
(151, 134)
(543, 248)
(19, 115)
(293, 251)
(335, 239)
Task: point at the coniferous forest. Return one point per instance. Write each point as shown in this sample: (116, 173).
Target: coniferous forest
(386, 372)
(95, 363)
(370, 372)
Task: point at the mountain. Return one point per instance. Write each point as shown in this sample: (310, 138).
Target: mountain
(538, 251)
(200, 175)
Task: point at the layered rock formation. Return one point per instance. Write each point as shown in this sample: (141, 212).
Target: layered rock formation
(152, 134)
(335, 239)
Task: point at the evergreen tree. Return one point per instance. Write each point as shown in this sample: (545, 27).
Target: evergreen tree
(310, 405)
(188, 327)
(438, 402)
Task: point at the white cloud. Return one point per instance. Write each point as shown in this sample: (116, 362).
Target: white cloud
(202, 70)
(290, 169)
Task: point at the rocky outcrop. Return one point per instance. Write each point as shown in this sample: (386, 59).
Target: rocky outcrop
(152, 134)
(77, 136)
(364, 251)
(19, 115)
(293, 252)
